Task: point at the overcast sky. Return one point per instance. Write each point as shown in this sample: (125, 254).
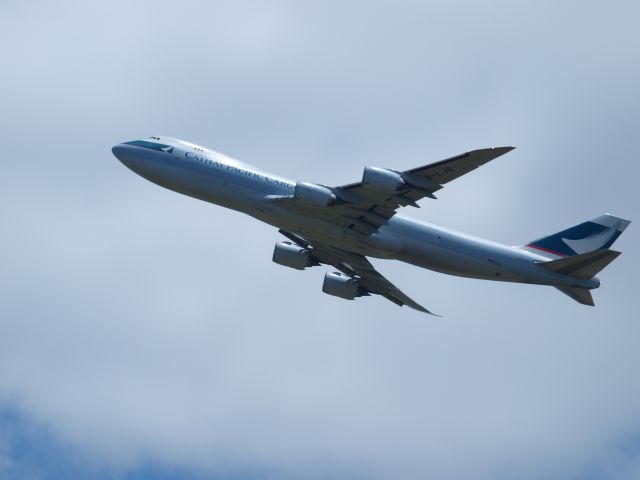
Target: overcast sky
(147, 335)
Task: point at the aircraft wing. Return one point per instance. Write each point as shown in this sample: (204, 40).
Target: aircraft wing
(365, 209)
(370, 209)
(359, 268)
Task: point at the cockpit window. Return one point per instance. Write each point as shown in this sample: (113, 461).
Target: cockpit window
(155, 138)
(151, 145)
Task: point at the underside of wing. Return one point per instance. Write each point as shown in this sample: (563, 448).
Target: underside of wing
(401, 188)
(360, 276)
(367, 205)
(446, 170)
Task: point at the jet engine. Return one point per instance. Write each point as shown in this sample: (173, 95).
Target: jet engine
(342, 286)
(383, 180)
(314, 195)
(293, 256)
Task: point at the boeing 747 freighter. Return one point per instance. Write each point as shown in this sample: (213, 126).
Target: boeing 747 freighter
(342, 226)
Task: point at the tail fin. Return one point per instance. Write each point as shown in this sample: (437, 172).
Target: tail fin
(592, 235)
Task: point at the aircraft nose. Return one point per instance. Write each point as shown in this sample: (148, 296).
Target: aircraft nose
(120, 151)
(127, 154)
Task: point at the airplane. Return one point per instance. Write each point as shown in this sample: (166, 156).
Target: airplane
(342, 226)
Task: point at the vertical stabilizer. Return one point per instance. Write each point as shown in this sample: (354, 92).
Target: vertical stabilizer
(596, 234)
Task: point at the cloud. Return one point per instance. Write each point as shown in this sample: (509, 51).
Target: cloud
(142, 326)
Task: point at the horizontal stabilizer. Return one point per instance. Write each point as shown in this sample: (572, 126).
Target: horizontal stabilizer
(584, 266)
(580, 295)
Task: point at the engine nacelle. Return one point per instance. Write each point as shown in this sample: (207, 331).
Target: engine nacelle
(342, 286)
(314, 195)
(383, 180)
(293, 256)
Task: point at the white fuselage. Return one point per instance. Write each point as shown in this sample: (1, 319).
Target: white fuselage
(215, 178)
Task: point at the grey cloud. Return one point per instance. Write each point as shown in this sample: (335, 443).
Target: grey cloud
(138, 324)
